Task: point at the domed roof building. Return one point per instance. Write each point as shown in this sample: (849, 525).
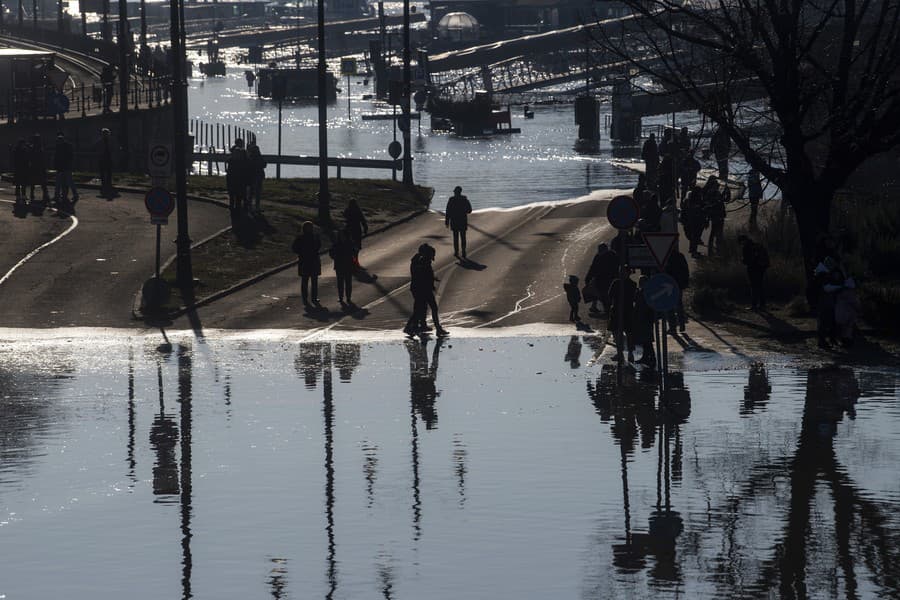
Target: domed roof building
(458, 27)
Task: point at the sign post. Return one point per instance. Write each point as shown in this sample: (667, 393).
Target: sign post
(348, 68)
(160, 204)
(661, 292)
(623, 213)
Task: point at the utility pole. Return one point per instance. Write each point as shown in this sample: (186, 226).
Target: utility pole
(407, 85)
(184, 271)
(107, 32)
(124, 76)
(324, 201)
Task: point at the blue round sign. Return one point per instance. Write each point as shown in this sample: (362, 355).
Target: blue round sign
(159, 202)
(622, 212)
(661, 292)
(59, 104)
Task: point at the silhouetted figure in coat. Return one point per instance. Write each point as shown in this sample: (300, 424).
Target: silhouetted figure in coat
(720, 147)
(421, 286)
(687, 173)
(678, 268)
(650, 156)
(306, 246)
(756, 260)
(237, 178)
(105, 151)
(601, 273)
(456, 217)
(573, 297)
(714, 205)
(625, 307)
(693, 218)
(343, 253)
(37, 168)
(257, 174)
(19, 160)
(63, 162)
(643, 326)
(356, 225)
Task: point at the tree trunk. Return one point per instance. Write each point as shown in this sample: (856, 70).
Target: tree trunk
(812, 209)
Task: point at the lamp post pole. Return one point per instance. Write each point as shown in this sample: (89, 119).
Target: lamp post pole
(324, 208)
(124, 77)
(184, 270)
(407, 84)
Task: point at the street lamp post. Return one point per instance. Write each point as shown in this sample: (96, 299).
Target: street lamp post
(184, 271)
(407, 84)
(124, 76)
(324, 208)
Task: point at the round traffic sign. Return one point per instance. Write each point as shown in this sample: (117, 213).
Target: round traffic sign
(59, 104)
(159, 202)
(623, 212)
(394, 149)
(160, 155)
(661, 292)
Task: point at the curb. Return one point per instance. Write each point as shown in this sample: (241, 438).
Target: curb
(255, 278)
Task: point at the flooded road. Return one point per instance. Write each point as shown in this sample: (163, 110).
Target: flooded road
(250, 467)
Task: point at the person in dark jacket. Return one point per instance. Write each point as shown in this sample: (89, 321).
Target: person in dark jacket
(256, 175)
(720, 147)
(624, 307)
(650, 156)
(63, 162)
(600, 275)
(573, 297)
(105, 151)
(756, 259)
(677, 267)
(19, 160)
(421, 286)
(643, 325)
(694, 219)
(714, 205)
(357, 226)
(37, 168)
(456, 217)
(343, 253)
(687, 172)
(237, 170)
(306, 246)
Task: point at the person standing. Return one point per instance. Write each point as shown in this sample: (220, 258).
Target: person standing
(600, 275)
(37, 168)
(19, 160)
(456, 217)
(756, 260)
(625, 307)
(105, 151)
(356, 226)
(714, 204)
(236, 178)
(573, 297)
(720, 147)
(63, 162)
(693, 217)
(421, 285)
(343, 253)
(257, 173)
(678, 268)
(687, 173)
(650, 156)
(754, 191)
(309, 266)
(107, 79)
(643, 326)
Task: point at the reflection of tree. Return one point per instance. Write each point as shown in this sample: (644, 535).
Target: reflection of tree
(757, 390)
(422, 386)
(862, 533)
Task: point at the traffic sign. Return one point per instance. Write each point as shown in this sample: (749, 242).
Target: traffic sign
(661, 292)
(348, 66)
(159, 160)
(159, 220)
(159, 202)
(661, 245)
(639, 257)
(394, 149)
(622, 212)
(59, 104)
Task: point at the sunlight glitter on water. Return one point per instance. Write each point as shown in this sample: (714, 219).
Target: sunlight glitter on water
(504, 467)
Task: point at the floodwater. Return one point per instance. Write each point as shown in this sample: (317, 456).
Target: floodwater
(536, 165)
(473, 468)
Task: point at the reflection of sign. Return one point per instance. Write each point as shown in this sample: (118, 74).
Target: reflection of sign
(661, 246)
(394, 149)
(159, 160)
(159, 203)
(639, 257)
(403, 122)
(661, 292)
(348, 66)
(622, 212)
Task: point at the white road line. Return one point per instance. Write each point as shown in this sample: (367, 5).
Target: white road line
(31, 254)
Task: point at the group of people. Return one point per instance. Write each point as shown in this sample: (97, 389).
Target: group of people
(834, 296)
(245, 171)
(344, 252)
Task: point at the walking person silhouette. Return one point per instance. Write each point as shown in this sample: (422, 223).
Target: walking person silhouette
(456, 217)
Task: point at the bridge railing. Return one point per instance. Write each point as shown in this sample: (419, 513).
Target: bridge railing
(44, 102)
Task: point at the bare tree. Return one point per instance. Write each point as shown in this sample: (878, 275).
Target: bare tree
(826, 70)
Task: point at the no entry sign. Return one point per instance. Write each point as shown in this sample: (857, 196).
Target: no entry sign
(159, 203)
(622, 212)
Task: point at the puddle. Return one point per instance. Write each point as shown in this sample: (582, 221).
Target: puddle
(476, 467)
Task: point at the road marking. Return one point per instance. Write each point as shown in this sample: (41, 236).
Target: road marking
(31, 254)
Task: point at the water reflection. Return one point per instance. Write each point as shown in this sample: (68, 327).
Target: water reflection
(757, 390)
(422, 376)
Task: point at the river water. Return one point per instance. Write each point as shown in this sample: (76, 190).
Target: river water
(536, 165)
(248, 467)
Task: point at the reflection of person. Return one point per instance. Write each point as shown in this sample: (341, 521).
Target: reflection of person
(757, 390)
(456, 217)
(306, 246)
(573, 352)
(422, 379)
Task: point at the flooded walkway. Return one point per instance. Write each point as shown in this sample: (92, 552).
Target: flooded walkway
(251, 466)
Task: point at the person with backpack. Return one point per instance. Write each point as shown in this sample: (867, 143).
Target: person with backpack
(756, 258)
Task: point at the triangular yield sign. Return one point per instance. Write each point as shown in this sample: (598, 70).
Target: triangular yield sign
(660, 246)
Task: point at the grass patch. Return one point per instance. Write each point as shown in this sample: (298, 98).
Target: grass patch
(258, 244)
